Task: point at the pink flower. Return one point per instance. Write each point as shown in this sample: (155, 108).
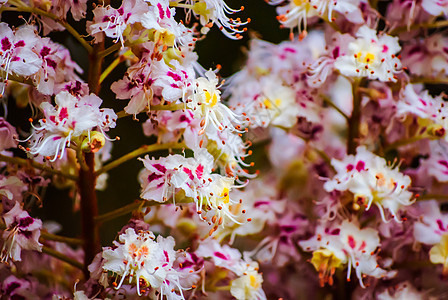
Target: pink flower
(22, 233)
(8, 135)
(17, 55)
(68, 122)
(113, 22)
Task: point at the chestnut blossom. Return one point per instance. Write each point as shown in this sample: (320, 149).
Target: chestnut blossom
(167, 31)
(206, 105)
(22, 233)
(11, 190)
(216, 12)
(372, 181)
(68, 123)
(432, 229)
(77, 8)
(163, 178)
(437, 163)
(404, 290)
(428, 56)
(371, 56)
(16, 288)
(344, 245)
(436, 7)
(57, 67)
(146, 261)
(228, 149)
(260, 206)
(8, 135)
(169, 125)
(296, 12)
(248, 281)
(150, 79)
(17, 55)
(113, 22)
(431, 110)
(278, 105)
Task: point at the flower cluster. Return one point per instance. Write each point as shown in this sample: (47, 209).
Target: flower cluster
(346, 123)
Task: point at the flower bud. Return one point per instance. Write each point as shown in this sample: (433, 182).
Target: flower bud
(436, 130)
(95, 143)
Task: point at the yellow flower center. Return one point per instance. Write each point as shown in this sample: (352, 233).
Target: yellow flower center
(211, 99)
(325, 262)
(269, 104)
(254, 282)
(165, 36)
(366, 58)
(225, 195)
(439, 253)
(299, 2)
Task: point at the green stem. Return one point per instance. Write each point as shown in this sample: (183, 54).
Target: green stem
(57, 238)
(68, 27)
(138, 204)
(437, 197)
(173, 107)
(354, 120)
(113, 65)
(120, 211)
(427, 80)
(60, 256)
(115, 47)
(438, 24)
(181, 5)
(81, 160)
(331, 103)
(407, 141)
(137, 152)
(32, 163)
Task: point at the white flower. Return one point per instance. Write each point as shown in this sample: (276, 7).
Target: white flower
(145, 260)
(296, 12)
(160, 18)
(260, 205)
(437, 163)
(341, 245)
(216, 11)
(247, 285)
(16, 53)
(113, 22)
(431, 225)
(436, 7)
(371, 56)
(432, 229)
(429, 109)
(67, 122)
(206, 105)
(372, 181)
(163, 178)
(404, 290)
(229, 151)
(278, 105)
